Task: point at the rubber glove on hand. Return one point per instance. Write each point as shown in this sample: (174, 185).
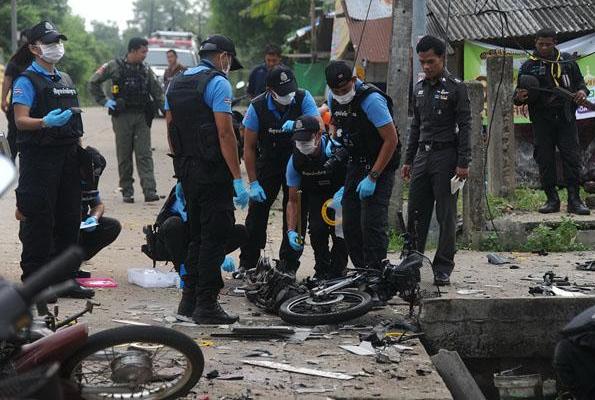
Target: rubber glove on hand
(228, 264)
(89, 221)
(57, 117)
(288, 126)
(257, 192)
(294, 241)
(111, 104)
(366, 188)
(242, 195)
(330, 146)
(338, 198)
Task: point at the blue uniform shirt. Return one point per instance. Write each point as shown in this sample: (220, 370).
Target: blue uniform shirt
(257, 80)
(294, 178)
(308, 108)
(23, 91)
(179, 205)
(374, 106)
(217, 95)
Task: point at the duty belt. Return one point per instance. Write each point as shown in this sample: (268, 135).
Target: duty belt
(436, 146)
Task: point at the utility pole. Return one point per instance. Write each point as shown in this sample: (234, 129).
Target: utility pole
(13, 25)
(151, 17)
(418, 30)
(313, 44)
(398, 81)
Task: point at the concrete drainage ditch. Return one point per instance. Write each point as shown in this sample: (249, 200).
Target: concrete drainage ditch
(494, 335)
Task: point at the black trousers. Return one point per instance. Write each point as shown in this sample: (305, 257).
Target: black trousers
(49, 196)
(551, 131)
(365, 222)
(330, 263)
(104, 234)
(173, 239)
(211, 220)
(574, 365)
(430, 184)
(257, 222)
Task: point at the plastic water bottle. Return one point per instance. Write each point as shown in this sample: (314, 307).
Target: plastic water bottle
(339, 222)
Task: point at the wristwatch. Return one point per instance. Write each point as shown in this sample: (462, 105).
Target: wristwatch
(374, 175)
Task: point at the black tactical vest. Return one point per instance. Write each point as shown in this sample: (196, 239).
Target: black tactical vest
(274, 149)
(192, 131)
(50, 95)
(133, 85)
(357, 133)
(315, 178)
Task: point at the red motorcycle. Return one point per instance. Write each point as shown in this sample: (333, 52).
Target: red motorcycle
(145, 362)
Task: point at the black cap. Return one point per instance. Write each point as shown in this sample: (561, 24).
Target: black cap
(304, 127)
(337, 73)
(46, 32)
(282, 80)
(219, 43)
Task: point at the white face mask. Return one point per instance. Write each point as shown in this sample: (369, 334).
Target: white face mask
(52, 53)
(306, 147)
(284, 100)
(225, 70)
(346, 98)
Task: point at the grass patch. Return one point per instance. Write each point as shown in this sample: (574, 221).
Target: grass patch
(522, 199)
(395, 241)
(559, 239)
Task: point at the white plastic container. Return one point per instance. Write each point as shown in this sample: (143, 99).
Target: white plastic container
(153, 278)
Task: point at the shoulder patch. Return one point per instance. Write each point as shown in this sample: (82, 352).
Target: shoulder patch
(101, 69)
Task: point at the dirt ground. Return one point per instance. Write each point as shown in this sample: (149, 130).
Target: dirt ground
(412, 378)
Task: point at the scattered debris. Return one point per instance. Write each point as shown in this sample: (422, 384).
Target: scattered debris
(230, 377)
(128, 322)
(423, 371)
(586, 266)
(212, 374)
(314, 390)
(388, 355)
(259, 353)
(496, 259)
(364, 349)
(514, 267)
(470, 291)
(298, 370)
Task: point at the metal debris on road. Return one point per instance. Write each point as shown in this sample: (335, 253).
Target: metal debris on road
(470, 291)
(128, 322)
(364, 349)
(212, 374)
(495, 259)
(298, 370)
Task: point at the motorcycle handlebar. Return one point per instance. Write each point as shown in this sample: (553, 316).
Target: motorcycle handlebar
(58, 270)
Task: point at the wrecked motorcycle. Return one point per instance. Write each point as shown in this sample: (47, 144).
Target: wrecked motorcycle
(349, 297)
(148, 362)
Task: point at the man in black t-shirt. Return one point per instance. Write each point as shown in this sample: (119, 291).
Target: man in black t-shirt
(11, 72)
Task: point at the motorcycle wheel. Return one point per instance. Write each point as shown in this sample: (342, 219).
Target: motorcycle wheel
(339, 306)
(144, 362)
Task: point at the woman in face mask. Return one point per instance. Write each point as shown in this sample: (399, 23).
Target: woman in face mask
(49, 191)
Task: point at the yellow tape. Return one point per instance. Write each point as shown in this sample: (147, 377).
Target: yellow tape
(324, 213)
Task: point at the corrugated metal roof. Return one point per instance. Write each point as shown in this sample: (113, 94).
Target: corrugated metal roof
(525, 17)
(376, 40)
(358, 9)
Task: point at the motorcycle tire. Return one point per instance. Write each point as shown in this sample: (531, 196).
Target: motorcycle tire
(141, 334)
(314, 314)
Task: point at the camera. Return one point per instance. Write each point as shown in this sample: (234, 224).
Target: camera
(338, 158)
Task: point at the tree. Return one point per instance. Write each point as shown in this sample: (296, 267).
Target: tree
(108, 34)
(166, 15)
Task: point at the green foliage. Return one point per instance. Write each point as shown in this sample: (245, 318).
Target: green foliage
(523, 199)
(252, 24)
(395, 242)
(164, 15)
(491, 242)
(559, 239)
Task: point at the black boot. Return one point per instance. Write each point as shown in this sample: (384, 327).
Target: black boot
(552, 205)
(187, 304)
(208, 311)
(575, 204)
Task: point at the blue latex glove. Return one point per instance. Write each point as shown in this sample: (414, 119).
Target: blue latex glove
(242, 195)
(338, 198)
(366, 188)
(228, 264)
(90, 220)
(57, 117)
(294, 241)
(257, 192)
(330, 145)
(111, 104)
(288, 126)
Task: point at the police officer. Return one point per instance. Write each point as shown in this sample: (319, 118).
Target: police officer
(258, 76)
(267, 147)
(554, 119)
(436, 152)
(98, 231)
(306, 171)
(135, 96)
(49, 190)
(206, 160)
(362, 116)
